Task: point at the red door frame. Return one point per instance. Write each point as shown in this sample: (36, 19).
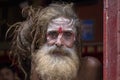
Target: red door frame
(111, 40)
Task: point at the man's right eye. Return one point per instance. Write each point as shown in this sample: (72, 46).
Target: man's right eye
(53, 34)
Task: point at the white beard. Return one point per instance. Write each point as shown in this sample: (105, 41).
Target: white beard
(54, 63)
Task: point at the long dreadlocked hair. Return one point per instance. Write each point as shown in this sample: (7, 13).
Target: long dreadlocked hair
(30, 34)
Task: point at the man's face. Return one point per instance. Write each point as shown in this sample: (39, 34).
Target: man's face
(6, 74)
(61, 32)
(57, 59)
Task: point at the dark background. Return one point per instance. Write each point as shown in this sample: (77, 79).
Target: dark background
(10, 12)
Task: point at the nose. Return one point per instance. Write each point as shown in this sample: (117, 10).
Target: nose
(58, 42)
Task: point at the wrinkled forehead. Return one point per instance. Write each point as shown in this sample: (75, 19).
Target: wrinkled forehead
(63, 23)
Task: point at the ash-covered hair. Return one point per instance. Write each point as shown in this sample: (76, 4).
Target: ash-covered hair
(30, 34)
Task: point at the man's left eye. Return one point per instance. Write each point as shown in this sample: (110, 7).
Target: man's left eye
(67, 34)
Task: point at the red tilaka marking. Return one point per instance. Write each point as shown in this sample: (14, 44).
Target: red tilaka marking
(60, 30)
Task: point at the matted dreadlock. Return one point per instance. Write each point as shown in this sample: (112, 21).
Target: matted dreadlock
(30, 34)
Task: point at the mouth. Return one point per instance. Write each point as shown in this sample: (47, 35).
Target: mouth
(59, 53)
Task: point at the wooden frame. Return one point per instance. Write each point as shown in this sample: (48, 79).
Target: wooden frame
(111, 40)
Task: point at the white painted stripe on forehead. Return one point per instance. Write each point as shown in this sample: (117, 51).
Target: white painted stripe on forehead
(68, 29)
(62, 20)
(65, 23)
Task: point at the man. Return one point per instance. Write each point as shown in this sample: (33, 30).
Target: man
(50, 37)
(7, 72)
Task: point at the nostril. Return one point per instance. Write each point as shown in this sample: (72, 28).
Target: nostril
(58, 44)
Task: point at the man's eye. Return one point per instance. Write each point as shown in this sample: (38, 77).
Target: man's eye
(53, 34)
(67, 34)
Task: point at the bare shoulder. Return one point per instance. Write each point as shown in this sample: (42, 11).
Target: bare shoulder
(91, 69)
(91, 62)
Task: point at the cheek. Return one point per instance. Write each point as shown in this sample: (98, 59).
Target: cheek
(69, 43)
(50, 41)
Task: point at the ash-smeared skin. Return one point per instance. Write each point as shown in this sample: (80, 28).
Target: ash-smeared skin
(61, 25)
(58, 54)
(62, 22)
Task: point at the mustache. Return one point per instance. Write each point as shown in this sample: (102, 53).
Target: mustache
(54, 50)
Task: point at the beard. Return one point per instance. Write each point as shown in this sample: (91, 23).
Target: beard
(53, 63)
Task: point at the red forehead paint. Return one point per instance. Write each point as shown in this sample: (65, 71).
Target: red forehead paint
(60, 30)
